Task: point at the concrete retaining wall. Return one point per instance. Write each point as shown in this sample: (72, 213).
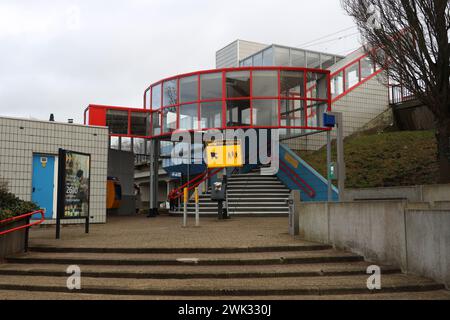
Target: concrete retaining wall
(14, 242)
(429, 193)
(385, 232)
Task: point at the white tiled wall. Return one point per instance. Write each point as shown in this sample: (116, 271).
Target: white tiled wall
(20, 138)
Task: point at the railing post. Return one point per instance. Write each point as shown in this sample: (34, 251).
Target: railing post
(197, 209)
(186, 195)
(27, 234)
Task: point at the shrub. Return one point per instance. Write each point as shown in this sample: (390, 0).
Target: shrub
(11, 206)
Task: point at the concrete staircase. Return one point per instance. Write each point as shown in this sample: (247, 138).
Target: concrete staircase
(249, 194)
(307, 271)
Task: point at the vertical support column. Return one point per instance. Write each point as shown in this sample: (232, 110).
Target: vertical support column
(154, 176)
(340, 154)
(330, 189)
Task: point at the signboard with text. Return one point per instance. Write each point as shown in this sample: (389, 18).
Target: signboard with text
(74, 176)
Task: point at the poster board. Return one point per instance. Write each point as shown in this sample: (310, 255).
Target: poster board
(74, 177)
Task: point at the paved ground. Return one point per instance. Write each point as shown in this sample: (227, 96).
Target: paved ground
(138, 231)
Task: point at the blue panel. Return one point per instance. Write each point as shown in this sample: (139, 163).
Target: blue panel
(43, 183)
(317, 182)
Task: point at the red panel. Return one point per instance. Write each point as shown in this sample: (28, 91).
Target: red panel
(97, 116)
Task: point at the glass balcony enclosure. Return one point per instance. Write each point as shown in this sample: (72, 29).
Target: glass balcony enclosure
(287, 98)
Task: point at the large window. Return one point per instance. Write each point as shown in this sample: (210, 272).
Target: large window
(189, 89)
(292, 113)
(292, 84)
(156, 123)
(169, 119)
(117, 121)
(282, 56)
(258, 60)
(268, 57)
(317, 85)
(265, 113)
(337, 84)
(351, 76)
(211, 86)
(140, 124)
(313, 60)
(366, 67)
(265, 84)
(327, 61)
(211, 115)
(238, 113)
(238, 84)
(170, 93)
(156, 97)
(298, 58)
(189, 117)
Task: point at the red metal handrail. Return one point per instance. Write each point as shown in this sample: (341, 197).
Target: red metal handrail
(310, 192)
(177, 193)
(24, 216)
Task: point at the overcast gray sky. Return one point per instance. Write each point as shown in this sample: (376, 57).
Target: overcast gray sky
(58, 56)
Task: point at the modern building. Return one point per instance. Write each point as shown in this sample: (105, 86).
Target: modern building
(255, 86)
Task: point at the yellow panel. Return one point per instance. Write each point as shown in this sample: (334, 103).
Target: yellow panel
(291, 160)
(226, 154)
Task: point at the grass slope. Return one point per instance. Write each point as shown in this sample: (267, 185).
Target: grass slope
(386, 159)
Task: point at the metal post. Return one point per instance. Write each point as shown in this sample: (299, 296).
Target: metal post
(154, 177)
(340, 154)
(197, 209)
(330, 189)
(186, 195)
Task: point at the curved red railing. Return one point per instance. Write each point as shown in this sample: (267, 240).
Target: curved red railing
(24, 216)
(179, 192)
(305, 187)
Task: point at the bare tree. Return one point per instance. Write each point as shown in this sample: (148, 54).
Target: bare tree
(411, 39)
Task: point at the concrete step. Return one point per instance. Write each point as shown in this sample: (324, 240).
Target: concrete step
(260, 192)
(184, 250)
(311, 286)
(265, 258)
(258, 209)
(195, 272)
(441, 295)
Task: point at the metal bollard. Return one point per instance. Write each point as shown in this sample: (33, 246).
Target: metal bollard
(186, 199)
(197, 209)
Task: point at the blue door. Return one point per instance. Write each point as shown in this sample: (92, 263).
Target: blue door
(43, 183)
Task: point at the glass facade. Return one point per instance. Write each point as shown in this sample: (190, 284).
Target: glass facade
(189, 116)
(140, 124)
(265, 84)
(117, 121)
(265, 113)
(211, 86)
(293, 57)
(170, 93)
(263, 97)
(189, 89)
(238, 84)
(211, 115)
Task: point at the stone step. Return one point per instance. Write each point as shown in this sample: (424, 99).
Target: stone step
(264, 258)
(52, 296)
(311, 286)
(306, 246)
(195, 272)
